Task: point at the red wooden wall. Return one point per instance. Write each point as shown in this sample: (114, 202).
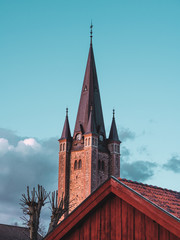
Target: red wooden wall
(115, 219)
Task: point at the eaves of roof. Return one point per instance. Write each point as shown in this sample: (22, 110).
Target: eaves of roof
(115, 186)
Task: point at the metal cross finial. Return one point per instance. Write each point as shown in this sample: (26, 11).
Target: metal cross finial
(91, 32)
(66, 111)
(113, 113)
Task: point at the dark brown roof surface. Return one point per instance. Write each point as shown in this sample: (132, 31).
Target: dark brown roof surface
(66, 133)
(91, 127)
(167, 199)
(9, 232)
(90, 97)
(113, 135)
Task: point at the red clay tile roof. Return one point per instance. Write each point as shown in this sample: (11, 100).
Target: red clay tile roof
(167, 199)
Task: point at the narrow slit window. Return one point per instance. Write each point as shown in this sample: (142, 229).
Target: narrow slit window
(80, 164)
(75, 165)
(103, 165)
(99, 165)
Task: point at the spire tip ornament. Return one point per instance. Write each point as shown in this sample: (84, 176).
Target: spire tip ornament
(91, 32)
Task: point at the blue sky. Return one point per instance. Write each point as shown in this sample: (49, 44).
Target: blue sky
(43, 52)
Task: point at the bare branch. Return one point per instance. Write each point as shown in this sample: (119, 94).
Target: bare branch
(31, 205)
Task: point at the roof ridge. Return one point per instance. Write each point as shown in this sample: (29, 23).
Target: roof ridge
(8, 225)
(145, 184)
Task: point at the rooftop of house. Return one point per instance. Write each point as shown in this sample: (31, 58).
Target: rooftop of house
(160, 205)
(166, 199)
(9, 232)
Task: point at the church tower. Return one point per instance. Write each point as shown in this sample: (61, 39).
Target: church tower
(87, 158)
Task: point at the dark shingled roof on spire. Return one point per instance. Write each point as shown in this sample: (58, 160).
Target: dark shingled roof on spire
(66, 133)
(91, 128)
(113, 135)
(90, 96)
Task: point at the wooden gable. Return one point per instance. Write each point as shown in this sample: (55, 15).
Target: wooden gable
(115, 211)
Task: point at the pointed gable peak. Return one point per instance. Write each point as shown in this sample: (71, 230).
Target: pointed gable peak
(113, 135)
(66, 133)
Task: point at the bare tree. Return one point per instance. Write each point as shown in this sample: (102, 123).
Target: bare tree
(31, 205)
(58, 208)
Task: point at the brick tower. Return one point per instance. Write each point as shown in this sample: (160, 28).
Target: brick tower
(87, 158)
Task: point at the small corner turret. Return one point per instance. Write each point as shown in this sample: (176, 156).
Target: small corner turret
(66, 133)
(114, 148)
(64, 161)
(65, 140)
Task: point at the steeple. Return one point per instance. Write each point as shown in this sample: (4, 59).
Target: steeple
(89, 158)
(90, 96)
(113, 135)
(66, 134)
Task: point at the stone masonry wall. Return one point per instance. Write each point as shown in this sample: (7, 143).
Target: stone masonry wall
(103, 172)
(79, 178)
(94, 172)
(62, 174)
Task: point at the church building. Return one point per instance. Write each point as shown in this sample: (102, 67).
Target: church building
(87, 158)
(103, 206)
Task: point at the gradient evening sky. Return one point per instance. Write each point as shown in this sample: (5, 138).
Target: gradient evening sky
(43, 53)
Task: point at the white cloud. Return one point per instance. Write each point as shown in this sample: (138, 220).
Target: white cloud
(5, 146)
(28, 145)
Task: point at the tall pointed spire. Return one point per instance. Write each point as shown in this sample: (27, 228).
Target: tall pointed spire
(113, 135)
(66, 133)
(90, 96)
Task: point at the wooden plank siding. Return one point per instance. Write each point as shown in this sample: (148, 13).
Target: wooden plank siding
(115, 219)
(115, 211)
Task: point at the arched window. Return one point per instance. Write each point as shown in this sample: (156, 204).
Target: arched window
(63, 146)
(60, 147)
(103, 165)
(80, 164)
(99, 165)
(86, 142)
(75, 165)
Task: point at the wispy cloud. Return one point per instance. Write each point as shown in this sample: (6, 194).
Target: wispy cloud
(125, 152)
(126, 134)
(138, 170)
(143, 150)
(173, 164)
